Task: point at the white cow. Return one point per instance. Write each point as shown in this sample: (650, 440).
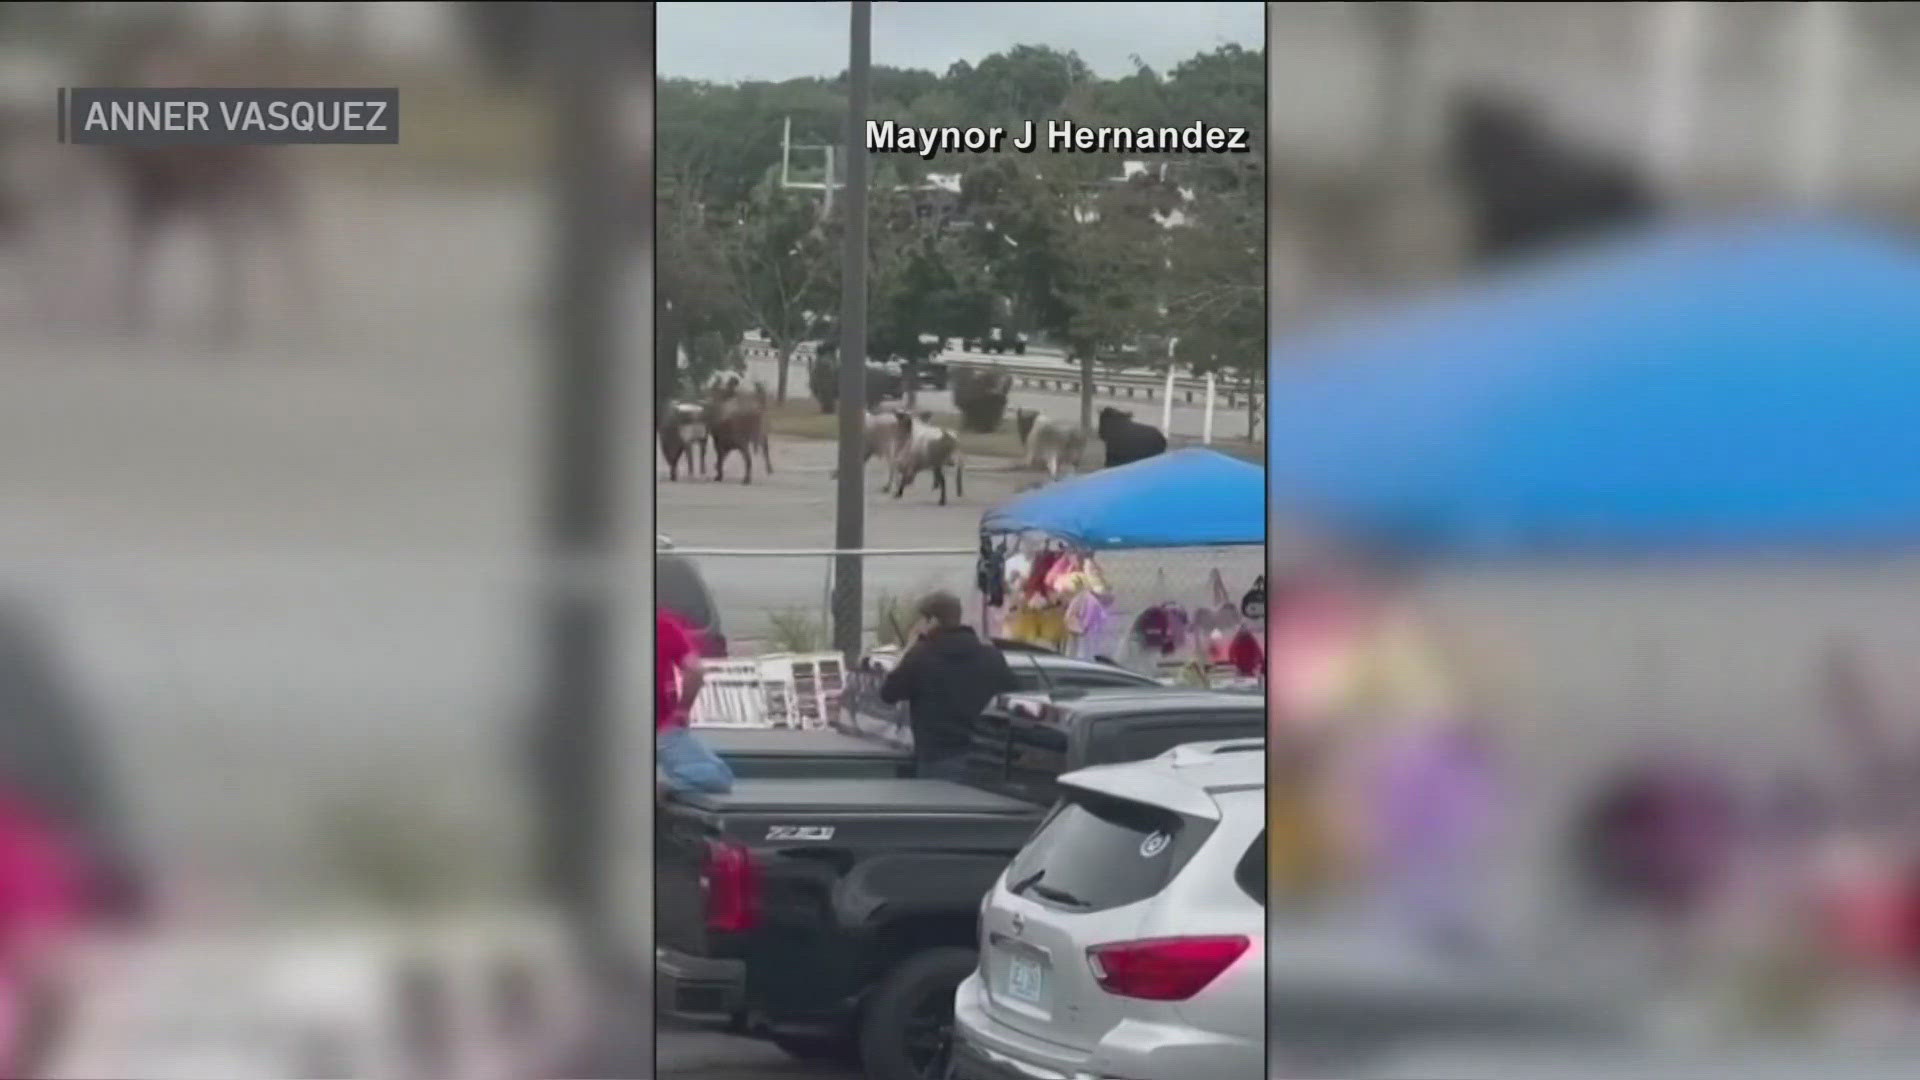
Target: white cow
(1047, 441)
(882, 440)
(921, 444)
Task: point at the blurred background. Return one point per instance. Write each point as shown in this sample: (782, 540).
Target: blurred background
(1590, 352)
(280, 481)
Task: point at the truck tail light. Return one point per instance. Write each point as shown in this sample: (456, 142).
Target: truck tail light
(730, 883)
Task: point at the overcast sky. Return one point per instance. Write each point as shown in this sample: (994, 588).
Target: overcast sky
(734, 42)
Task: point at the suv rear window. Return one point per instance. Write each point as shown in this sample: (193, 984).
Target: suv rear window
(681, 591)
(1251, 874)
(1096, 852)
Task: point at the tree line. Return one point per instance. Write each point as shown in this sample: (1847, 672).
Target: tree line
(1074, 249)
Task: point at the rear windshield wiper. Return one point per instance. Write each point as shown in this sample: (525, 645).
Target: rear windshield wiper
(1059, 896)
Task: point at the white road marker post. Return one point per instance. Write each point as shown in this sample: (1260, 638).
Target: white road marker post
(1206, 428)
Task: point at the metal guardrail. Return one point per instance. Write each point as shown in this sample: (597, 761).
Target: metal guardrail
(1062, 378)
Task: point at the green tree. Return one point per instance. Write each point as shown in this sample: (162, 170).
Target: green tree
(696, 309)
(1116, 262)
(1025, 82)
(1022, 221)
(1216, 298)
(781, 270)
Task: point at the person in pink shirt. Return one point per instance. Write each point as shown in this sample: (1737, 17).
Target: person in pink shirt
(42, 903)
(685, 763)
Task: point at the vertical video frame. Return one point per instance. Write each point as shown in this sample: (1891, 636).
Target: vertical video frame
(314, 745)
(1593, 741)
(959, 488)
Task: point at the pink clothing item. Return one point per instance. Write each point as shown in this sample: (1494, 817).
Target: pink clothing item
(40, 895)
(40, 874)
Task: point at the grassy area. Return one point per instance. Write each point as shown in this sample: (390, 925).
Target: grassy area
(802, 419)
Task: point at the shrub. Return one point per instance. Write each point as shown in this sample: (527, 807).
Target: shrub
(981, 398)
(893, 619)
(823, 379)
(793, 630)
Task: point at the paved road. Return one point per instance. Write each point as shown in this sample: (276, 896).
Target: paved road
(794, 508)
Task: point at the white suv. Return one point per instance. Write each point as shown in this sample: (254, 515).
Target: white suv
(1127, 939)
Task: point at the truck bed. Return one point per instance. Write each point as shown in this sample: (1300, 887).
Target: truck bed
(761, 753)
(793, 742)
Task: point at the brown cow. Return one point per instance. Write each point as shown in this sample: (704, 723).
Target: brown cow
(232, 193)
(683, 436)
(738, 424)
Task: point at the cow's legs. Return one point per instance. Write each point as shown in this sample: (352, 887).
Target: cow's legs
(940, 482)
(142, 230)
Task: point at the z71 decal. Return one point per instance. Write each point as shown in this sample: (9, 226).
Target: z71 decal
(800, 832)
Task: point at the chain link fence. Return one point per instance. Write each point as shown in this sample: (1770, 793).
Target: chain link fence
(783, 601)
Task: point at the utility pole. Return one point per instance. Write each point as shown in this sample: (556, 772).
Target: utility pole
(573, 721)
(1817, 55)
(849, 533)
(1676, 40)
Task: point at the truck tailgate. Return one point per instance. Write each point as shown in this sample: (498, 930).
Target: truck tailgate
(786, 823)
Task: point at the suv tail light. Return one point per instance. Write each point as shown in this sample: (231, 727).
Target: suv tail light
(730, 883)
(1163, 969)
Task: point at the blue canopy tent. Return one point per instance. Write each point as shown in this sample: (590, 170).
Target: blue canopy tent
(1750, 385)
(1187, 498)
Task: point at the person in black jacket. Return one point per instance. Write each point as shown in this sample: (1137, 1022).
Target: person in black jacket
(946, 677)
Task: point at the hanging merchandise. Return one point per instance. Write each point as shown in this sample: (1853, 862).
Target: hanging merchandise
(1227, 616)
(1087, 619)
(1040, 589)
(1018, 567)
(1037, 582)
(1247, 655)
(1253, 606)
(990, 574)
(1162, 628)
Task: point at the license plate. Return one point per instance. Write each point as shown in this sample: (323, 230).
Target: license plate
(1026, 980)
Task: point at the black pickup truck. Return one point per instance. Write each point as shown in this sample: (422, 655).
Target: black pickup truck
(836, 918)
(870, 738)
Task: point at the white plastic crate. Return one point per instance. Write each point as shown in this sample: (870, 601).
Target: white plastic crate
(734, 696)
(780, 690)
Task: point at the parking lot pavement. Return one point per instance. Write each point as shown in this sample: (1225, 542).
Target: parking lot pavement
(696, 1055)
(794, 509)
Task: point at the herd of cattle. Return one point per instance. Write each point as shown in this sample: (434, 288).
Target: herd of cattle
(728, 420)
(907, 442)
